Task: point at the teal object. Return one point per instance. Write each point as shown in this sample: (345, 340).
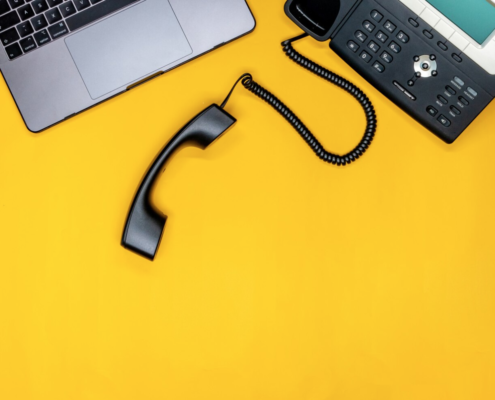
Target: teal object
(475, 17)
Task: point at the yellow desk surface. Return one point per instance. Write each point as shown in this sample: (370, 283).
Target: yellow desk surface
(278, 277)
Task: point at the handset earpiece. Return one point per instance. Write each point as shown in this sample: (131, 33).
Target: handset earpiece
(315, 17)
(144, 226)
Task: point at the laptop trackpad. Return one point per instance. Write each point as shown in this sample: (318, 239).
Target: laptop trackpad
(128, 46)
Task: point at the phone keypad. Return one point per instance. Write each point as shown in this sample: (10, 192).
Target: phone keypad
(375, 42)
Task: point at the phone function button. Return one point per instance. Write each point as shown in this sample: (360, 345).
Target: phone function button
(403, 37)
(442, 46)
(381, 37)
(463, 101)
(369, 26)
(444, 121)
(450, 90)
(413, 22)
(455, 110)
(353, 46)
(403, 90)
(457, 57)
(376, 16)
(428, 34)
(458, 81)
(432, 111)
(394, 47)
(472, 92)
(378, 67)
(366, 57)
(442, 99)
(387, 57)
(373, 47)
(389, 26)
(361, 36)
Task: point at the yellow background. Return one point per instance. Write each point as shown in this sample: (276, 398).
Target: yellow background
(278, 277)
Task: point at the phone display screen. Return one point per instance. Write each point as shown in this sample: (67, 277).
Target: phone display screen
(474, 17)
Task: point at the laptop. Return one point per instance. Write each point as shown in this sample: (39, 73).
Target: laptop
(60, 57)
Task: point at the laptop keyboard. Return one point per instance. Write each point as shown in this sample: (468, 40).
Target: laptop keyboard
(26, 25)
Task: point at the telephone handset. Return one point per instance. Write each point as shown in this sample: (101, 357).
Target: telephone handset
(403, 57)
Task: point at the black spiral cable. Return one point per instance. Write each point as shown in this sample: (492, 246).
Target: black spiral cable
(304, 132)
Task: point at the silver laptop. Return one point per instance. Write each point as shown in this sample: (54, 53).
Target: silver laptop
(60, 57)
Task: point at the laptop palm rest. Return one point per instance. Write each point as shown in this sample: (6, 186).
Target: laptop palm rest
(128, 46)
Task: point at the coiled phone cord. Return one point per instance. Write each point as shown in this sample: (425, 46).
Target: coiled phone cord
(304, 132)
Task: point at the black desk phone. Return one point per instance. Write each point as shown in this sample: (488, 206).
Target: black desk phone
(403, 57)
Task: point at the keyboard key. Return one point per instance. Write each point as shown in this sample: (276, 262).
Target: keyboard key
(387, 57)
(378, 67)
(457, 57)
(369, 26)
(373, 47)
(28, 44)
(4, 6)
(39, 6)
(54, 3)
(58, 30)
(394, 47)
(25, 29)
(381, 37)
(9, 37)
(463, 101)
(67, 9)
(361, 36)
(53, 16)
(390, 27)
(376, 16)
(96, 12)
(366, 57)
(82, 4)
(42, 37)
(353, 46)
(9, 20)
(16, 3)
(14, 51)
(403, 37)
(39, 22)
(26, 12)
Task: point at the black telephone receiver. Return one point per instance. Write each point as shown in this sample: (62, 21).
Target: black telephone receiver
(409, 62)
(144, 226)
(318, 18)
